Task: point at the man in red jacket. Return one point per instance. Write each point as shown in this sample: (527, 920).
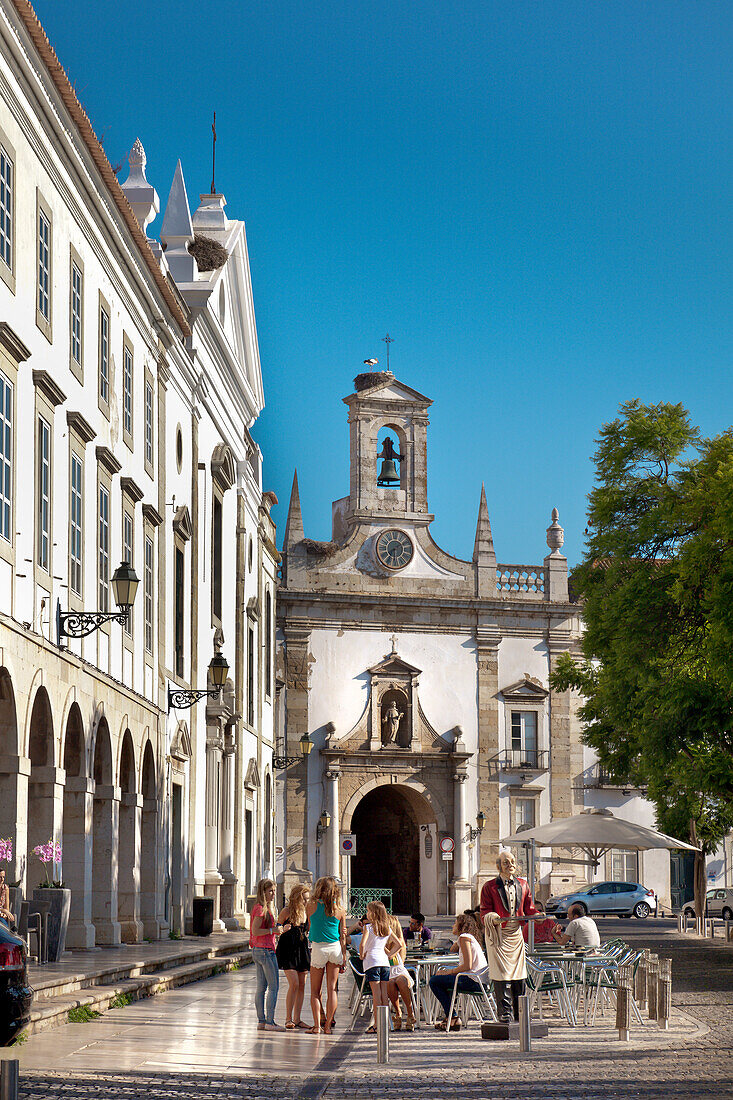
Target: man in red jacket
(503, 899)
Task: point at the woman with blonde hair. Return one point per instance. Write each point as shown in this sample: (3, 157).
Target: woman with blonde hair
(327, 937)
(262, 937)
(377, 944)
(400, 982)
(293, 953)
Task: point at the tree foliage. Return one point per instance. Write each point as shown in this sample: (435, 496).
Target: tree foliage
(657, 585)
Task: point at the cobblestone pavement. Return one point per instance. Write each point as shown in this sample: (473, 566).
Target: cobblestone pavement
(693, 1060)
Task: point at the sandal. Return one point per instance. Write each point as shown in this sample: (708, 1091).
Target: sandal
(301, 1024)
(289, 1026)
(371, 1030)
(313, 1030)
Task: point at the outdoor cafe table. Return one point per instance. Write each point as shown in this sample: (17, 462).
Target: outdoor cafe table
(424, 965)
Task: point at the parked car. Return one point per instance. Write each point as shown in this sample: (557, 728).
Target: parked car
(718, 903)
(619, 899)
(15, 993)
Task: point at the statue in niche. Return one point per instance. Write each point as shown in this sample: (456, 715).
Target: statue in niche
(391, 723)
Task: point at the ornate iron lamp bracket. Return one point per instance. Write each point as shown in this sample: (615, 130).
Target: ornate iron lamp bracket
(282, 762)
(183, 698)
(78, 624)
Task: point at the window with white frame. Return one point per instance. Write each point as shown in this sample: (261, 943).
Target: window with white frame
(128, 536)
(148, 591)
(44, 266)
(525, 817)
(6, 458)
(148, 423)
(76, 524)
(77, 286)
(6, 208)
(103, 548)
(103, 355)
(622, 866)
(523, 748)
(43, 492)
(127, 392)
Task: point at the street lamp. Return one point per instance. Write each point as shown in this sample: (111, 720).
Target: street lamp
(78, 624)
(323, 822)
(181, 698)
(480, 822)
(281, 762)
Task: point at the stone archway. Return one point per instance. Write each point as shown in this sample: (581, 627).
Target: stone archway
(77, 833)
(104, 846)
(13, 779)
(149, 848)
(45, 793)
(396, 846)
(128, 875)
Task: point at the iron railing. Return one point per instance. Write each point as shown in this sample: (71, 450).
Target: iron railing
(360, 896)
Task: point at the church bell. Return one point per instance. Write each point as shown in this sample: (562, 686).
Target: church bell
(389, 474)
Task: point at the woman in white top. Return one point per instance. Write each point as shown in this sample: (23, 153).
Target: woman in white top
(400, 981)
(377, 943)
(471, 970)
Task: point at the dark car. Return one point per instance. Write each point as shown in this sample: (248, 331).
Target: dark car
(15, 993)
(619, 899)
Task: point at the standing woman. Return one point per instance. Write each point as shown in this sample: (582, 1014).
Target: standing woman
(328, 947)
(377, 944)
(293, 953)
(262, 937)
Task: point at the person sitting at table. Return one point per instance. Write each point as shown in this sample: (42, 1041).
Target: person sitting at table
(417, 930)
(545, 931)
(582, 930)
(400, 981)
(472, 968)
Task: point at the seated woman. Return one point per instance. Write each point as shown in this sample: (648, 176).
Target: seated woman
(400, 982)
(471, 970)
(545, 931)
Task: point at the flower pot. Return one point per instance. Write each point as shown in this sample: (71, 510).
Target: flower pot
(57, 903)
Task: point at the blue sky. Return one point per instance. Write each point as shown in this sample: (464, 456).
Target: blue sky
(534, 199)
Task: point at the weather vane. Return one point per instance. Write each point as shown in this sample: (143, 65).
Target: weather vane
(387, 340)
(213, 155)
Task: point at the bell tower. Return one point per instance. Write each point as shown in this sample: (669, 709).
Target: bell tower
(388, 424)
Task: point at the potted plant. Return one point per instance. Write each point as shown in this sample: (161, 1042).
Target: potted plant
(14, 890)
(54, 898)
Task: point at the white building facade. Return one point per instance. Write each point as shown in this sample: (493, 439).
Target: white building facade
(129, 386)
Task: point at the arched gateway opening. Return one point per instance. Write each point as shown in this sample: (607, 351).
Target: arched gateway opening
(395, 832)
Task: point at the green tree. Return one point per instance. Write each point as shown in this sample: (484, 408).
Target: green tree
(657, 586)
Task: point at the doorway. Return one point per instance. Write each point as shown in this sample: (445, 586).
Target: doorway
(387, 824)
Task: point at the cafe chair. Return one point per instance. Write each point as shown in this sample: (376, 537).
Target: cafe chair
(482, 1003)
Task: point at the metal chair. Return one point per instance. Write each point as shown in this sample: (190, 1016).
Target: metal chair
(547, 977)
(30, 924)
(473, 999)
(360, 983)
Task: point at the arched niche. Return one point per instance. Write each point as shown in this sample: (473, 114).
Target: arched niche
(74, 759)
(396, 436)
(395, 719)
(149, 846)
(42, 821)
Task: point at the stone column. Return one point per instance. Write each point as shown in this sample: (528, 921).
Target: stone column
(488, 640)
(461, 886)
(14, 772)
(226, 853)
(76, 856)
(297, 653)
(332, 844)
(128, 903)
(106, 812)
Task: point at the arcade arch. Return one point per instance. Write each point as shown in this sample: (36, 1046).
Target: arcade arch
(129, 845)
(44, 794)
(104, 846)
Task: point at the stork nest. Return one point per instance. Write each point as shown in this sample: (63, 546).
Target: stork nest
(321, 548)
(371, 378)
(207, 253)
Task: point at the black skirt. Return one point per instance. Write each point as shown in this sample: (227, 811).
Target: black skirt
(293, 952)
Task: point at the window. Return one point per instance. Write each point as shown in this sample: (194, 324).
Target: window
(148, 593)
(524, 817)
(149, 425)
(44, 266)
(6, 208)
(268, 643)
(216, 567)
(103, 356)
(524, 739)
(6, 458)
(127, 555)
(178, 611)
(623, 866)
(76, 524)
(103, 548)
(43, 549)
(77, 285)
(251, 676)
(127, 394)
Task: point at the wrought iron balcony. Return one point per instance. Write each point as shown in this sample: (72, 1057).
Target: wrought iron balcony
(525, 761)
(598, 777)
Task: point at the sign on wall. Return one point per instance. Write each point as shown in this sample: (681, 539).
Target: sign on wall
(348, 844)
(447, 844)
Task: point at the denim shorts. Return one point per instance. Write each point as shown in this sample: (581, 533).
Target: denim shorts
(377, 973)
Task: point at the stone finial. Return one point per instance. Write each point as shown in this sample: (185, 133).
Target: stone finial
(555, 533)
(294, 532)
(141, 195)
(176, 232)
(484, 555)
(210, 214)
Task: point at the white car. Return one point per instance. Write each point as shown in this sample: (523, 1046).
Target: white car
(718, 903)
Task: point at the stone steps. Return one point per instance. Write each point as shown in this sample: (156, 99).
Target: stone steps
(138, 979)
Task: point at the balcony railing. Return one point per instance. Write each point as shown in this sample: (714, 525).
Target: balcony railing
(598, 776)
(520, 760)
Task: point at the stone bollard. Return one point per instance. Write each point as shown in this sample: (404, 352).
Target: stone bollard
(652, 985)
(729, 931)
(9, 1080)
(664, 994)
(681, 922)
(642, 978)
(700, 926)
(623, 1002)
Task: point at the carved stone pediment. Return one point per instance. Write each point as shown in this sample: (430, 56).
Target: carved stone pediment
(394, 666)
(252, 775)
(181, 743)
(182, 523)
(527, 689)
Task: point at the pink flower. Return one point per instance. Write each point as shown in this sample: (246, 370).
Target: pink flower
(6, 850)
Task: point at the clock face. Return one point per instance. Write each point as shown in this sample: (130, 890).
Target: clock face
(394, 549)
